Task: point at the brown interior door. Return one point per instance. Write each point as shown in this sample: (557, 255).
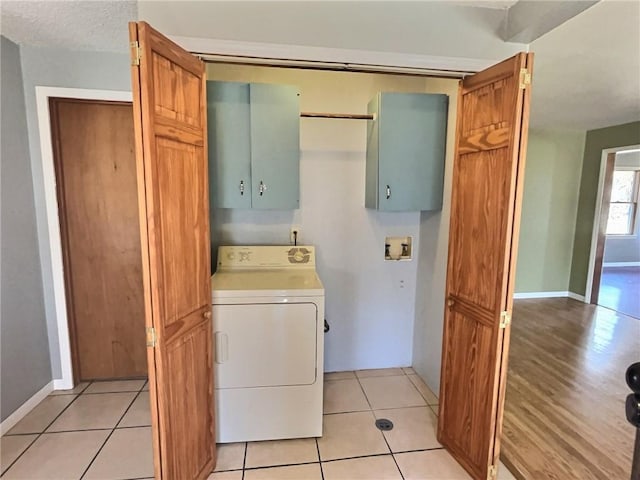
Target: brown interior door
(170, 121)
(488, 174)
(95, 177)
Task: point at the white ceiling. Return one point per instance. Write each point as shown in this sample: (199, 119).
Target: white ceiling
(76, 25)
(586, 73)
(441, 28)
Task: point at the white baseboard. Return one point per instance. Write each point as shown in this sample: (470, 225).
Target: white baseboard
(554, 294)
(26, 407)
(63, 384)
(575, 296)
(621, 264)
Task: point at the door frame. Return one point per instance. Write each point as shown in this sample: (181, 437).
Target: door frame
(270, 54)
(597, 213)
(62, 332)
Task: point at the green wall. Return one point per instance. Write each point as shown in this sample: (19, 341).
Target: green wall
(549, 206)
(596, 141)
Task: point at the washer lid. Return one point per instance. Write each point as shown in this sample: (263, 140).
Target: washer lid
(263, 282)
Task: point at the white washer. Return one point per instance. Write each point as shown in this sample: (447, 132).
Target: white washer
(268, 322)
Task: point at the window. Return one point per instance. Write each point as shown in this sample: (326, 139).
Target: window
(624, 202)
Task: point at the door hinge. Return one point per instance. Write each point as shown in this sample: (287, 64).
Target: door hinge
(492, 474)
(152, 339)
(505, 319)
(525, 78)
(136, 53)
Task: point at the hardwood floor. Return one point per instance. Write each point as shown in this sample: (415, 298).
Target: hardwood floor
(564, 414)
(620, 290)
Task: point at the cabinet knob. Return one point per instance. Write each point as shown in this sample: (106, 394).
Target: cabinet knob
(207, 314)
(388, 192)
(262, 188)
(241, 187)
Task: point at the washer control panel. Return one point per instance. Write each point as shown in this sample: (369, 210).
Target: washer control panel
(272, 256)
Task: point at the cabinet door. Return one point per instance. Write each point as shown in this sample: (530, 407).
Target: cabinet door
(230, 144)
(275, 146)
(412, 134)
(371, 192)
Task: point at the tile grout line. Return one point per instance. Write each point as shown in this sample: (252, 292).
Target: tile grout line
(2, 472)
(365, 396)
(372, 455)
(381, 432)
(423, 397)
(244, 460)
(38, 435)
(267, 467)
(426, 402)
(380, 455)
(109, 436)
(103, 393)
(385, 440)
(383, 435)
(319, 459)
(379, 409)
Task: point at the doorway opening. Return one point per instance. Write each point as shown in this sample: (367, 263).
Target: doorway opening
(615, 278)
(93, 149)
(61, 341)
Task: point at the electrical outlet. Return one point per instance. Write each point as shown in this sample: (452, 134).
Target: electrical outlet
(294, 234)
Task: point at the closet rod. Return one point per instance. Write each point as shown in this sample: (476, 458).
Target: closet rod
(352, 116)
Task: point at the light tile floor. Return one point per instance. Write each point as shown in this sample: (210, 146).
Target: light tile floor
(101, 431)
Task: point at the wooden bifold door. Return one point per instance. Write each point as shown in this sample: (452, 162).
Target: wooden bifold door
(95, 177)
(169, 100)
(488, 174)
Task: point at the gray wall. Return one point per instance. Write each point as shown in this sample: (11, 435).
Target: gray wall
(627, 248)
(24, 359)
(62, 68)
(432, 260)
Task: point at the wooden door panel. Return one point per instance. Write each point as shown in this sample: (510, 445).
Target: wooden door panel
(481, 212)
(182, 192)
(468, 422)
(489, 119)
(176, 93)
(488, 177)
(169, 97)
(185, 448)
(95, 176)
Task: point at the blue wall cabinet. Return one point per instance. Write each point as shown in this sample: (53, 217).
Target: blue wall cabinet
(406, 151)
(254, 145)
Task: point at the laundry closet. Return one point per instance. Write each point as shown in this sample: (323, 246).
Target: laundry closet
(381, 257)
(378, 307)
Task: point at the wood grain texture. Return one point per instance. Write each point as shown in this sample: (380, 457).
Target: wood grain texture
(602, 227)
(564, 415)
(171, 133)
(95, 176)
(511, 262)
(485, 208)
